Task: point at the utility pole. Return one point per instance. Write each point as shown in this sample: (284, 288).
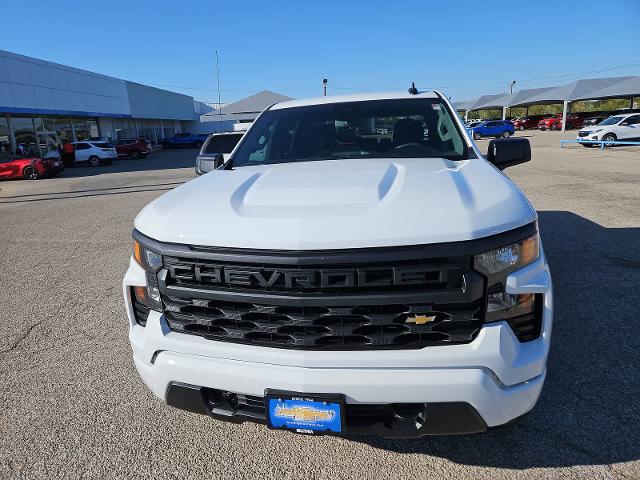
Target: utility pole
(324, 87)
(511, 87)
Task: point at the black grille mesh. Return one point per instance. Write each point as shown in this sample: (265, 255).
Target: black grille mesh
(362, 326)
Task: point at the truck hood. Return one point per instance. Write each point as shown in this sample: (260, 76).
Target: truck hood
(339, 204)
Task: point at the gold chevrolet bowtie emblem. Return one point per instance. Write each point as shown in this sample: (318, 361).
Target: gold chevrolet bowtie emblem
(420, 319)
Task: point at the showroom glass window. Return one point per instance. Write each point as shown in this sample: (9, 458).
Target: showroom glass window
(5, 140)
(48, 139)
(27, 143)
(61, 127)
(158, 130)
(86, 128)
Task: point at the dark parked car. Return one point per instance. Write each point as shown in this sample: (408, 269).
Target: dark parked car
(596, 118)
(133, 147)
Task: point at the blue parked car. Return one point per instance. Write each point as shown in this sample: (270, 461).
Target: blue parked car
(493, 128)
(185, 140)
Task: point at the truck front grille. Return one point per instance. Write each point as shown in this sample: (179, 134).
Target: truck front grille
(324, 301)
(355, 327)
(406, 297)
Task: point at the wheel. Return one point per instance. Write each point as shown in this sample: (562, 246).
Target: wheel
(476, 136)
(94, 161)
(521, 127)
(569, 126)
(554, 126)
(134, 154)
(608, 139)
(506, 134)
(31, 173)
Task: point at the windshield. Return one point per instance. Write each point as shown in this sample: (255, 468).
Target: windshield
(403, 128)
(611, 121)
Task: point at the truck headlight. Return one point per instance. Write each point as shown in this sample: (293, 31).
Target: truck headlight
(151, 262)
(496, 265)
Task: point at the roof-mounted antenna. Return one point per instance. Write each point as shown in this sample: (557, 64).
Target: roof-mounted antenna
(412, 89)
(219, 96)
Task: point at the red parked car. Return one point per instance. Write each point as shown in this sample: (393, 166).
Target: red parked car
(133, 147)
(548, 123)
(30, 168)
(555, 122)
(528, 121)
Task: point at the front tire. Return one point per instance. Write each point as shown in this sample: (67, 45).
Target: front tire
(521, 127)
(94, 161)
(477, 136)
(30, 173)
(134, 154)
(608, 139)
(506, 134)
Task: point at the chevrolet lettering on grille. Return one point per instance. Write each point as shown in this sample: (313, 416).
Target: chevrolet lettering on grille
(233, 276)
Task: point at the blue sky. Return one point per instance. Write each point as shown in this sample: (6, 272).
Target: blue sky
(464, 48)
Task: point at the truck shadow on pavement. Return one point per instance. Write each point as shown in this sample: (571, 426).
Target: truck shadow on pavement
(589, 409)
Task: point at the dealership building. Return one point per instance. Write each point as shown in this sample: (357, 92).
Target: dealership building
(44, 104)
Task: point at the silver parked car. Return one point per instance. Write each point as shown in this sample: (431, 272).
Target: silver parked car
(216, 150)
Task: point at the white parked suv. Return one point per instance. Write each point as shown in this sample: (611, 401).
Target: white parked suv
(329, 278)
(96, 152)
(615, 128)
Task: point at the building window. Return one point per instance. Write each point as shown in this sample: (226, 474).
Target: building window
(125, 128)
(86, 128)
(27, 143)
(61, 126)
(50, 137)
(168, 131)
(5, 140)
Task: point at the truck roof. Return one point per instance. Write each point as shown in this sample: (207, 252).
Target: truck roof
(355, 97)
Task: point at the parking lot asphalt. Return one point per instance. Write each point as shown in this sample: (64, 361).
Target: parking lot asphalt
(73, 406)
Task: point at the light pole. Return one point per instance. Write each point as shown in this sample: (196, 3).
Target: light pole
(324, 87)
(511, 87)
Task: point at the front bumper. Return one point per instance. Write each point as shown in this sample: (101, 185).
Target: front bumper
(591, 137)
(464, 388)
(54, 170)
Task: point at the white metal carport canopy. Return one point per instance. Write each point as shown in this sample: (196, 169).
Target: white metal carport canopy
(509, 100)
(586, 89)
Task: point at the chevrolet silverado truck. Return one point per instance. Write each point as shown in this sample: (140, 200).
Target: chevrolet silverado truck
(355, 265)
(185, 139)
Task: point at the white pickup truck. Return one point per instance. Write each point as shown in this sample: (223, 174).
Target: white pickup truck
(355, 266)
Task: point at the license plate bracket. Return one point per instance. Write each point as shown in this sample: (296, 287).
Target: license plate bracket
(310, 413)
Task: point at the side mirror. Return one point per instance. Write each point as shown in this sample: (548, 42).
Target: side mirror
(218, 161)
(506, 152)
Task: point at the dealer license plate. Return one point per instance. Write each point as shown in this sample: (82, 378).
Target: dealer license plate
(309, 413)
